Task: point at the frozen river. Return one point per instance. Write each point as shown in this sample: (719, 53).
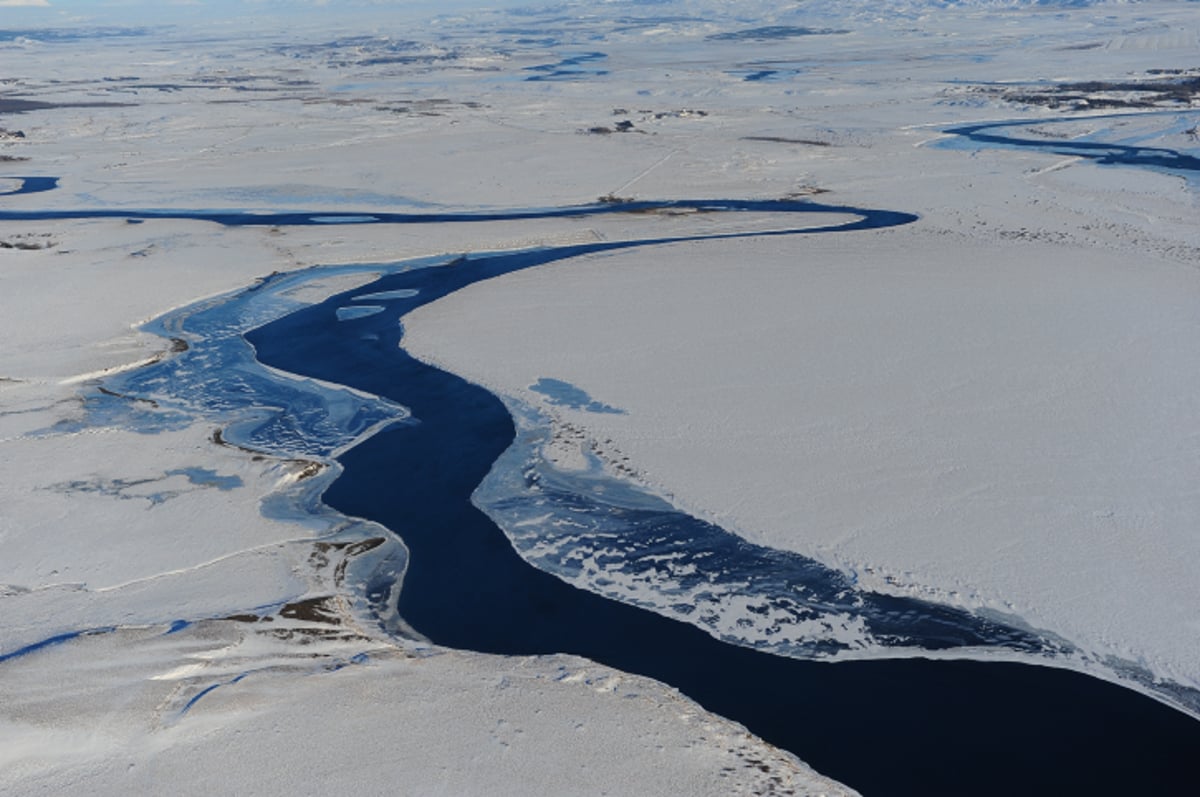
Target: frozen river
(928, 724)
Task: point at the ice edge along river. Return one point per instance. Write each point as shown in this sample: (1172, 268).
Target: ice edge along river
(234, 391)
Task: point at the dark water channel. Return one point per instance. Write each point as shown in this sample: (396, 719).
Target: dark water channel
(996, 134)
(32, 185)
(886, 727)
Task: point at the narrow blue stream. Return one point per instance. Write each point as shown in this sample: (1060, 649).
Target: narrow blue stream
(1103, 153)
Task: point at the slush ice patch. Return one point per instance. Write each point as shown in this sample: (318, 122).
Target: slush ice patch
(110, 409)
(206, 477)
(564, 394)
(610, 536)
(343, 219)
(381, 296)
(358, 311)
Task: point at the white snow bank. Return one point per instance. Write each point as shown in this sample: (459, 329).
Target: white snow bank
(219, 646)
(252, 713)
(119, 534)
(985, 425)
(931, 404)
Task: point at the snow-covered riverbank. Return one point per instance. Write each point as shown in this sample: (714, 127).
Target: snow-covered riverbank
(988, 408)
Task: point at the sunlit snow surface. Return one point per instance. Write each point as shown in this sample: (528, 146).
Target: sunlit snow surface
(608, 535)
(580, 522)
(792, 103)
(213, 376)
(599, 532)
(1129, 140)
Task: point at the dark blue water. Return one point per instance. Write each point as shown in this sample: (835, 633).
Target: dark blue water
(1159, 158)
(57, 639)
(69, 34)
(868, 218)
(760, 76)
(564, 394)
(571, 67)
(32, 185)
(773, 32)
(885, 727)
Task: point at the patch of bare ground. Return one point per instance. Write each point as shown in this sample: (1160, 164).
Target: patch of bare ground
(22, 105)
(1156, 88)
(811, 142)
(301, 468)
(28, 242)
(643, 117)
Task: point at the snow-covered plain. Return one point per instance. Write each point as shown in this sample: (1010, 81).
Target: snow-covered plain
(987, 408)
(990, 408)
